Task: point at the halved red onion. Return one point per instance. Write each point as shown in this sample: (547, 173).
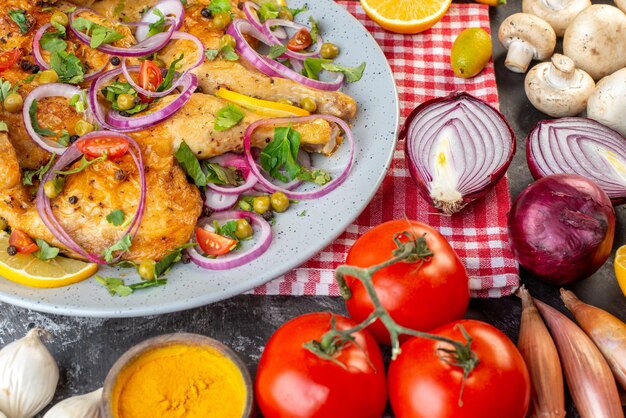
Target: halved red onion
(219, 201)
(170, 8)
(240, 27)
(457, 148)
(45, 66)
(41, 92)
(148, 46)
(271, 24)
(179, 78)
(579, 146)
(312, 194)
(238, 162)
(262, 238)
(115, 121)
(44, 207)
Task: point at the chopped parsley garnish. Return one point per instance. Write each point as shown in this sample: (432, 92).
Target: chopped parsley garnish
(116, 217)
(64, 138)
(54, 41)
(313, 66)
(6, 89)
(227, 117)
(226, 230)
(18, 16)
(32, 112)
(227, 52)
(188, 161)
(211, 54)
(315, 30)
(116, 286)
(276, 51)
(165, 264)
(112, 91)
(84, 163)
(219, 6)
(159, 25)
(29, 175)
(99, 34)
(352, 73)
(45, 251)
(68, 67)
(119, 8)
(270, 10)
(3, 126)
(122, 245)
(217, 174)
(169, 77)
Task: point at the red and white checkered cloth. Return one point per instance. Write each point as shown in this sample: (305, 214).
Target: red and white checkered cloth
(421, 68)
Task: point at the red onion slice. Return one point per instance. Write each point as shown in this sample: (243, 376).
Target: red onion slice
(269, 67)
(41, 92)
(170, 8)
(262, 241)
(579, 146)
(44, 207)
(220, 201)
(457, 148)
(269, 32)
(238, 162)
(312, 194)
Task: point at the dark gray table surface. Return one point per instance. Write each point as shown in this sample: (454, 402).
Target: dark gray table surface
(86, 348)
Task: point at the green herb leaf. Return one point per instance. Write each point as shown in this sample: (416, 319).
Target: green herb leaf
(54, 41)
(226, 230)
(159, 25)
(84, 163)
(169, 77)
(5, 89)
(217, 174)
(99, 34)
(119, 8)
(219, 6)
(303, 213)
(315, 30)
(20, 19)
(228, 52)
(313, 66)
(116, 217)
(28, 79)
(276, 51)
(64, 138)
(190, 164)
(268, 10)
(227, 117)
(71, 10)
(281, 154)
(122, 245)
(45, 251)
(3, 126)
(32, 112)
(296, 12)
(29, 175)
(68, 67)
(166, 263)
(318, 177)
(115, 286)
(352, 73)
(112, 91)
(211, 54)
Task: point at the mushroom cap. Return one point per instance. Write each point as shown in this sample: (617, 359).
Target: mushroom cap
(558, 13)
(557, 88)
(530, 29)
(621, 4)
(608, 101)
(596, 40)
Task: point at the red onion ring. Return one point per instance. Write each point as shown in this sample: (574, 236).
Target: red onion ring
(269, 33)
(250, 9)
(149, 46)
(178, 81)
(269, 67)
(220, 201)
(169, 8)
(41, 92)
(313, 194)
(44, 207)
(234, 259)
(579, 146)
(240, 163)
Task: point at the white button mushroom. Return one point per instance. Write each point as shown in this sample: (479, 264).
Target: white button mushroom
(621, 4)
(607, 104)
(558, 13)
(526, 37)
(596, 40)
(557, 88)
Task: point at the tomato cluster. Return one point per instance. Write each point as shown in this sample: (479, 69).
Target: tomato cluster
(431, 295)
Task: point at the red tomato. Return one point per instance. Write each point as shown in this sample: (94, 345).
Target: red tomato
(292, 382)
(149, 78)
(421, 385)
(94, 147)
(23, 243)
(301, 40)
(214, 244)
(8, 58)
(420, 297)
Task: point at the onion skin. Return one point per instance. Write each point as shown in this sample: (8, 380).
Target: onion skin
(606, 331)
(541, 356)
(561, 228)
(588, 376)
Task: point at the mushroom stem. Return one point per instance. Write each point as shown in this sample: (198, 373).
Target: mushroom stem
(561, 72)
(519, 56)
(556, 5)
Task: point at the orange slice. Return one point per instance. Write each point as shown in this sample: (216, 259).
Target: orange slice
(406, 16)
(620, 267)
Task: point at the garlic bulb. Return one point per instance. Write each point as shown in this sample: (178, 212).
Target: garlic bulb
(84, 406)
(28, 376)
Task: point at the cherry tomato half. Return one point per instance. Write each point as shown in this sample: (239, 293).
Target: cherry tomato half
(23, 243)
(95, 147)
(150, 78)
(301, 40)
(212, 243)
(421, 295)
(8, 58)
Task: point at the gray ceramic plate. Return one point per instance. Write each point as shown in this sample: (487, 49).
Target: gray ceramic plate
(296, 238)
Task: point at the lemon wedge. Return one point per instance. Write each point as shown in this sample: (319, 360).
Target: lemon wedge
(28, 270)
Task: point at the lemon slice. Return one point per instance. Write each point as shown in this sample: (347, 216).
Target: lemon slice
(620, 268)
(261, 107)
(406, 16)
(30, 271)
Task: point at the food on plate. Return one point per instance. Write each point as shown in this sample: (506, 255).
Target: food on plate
(596, 40)
(406, 16)
(526, 37)
(422, 383)
(559, 14)
(28, 376)
(607, 99)
(422, 295)
(492, 2)
(470, 52)
(542, 359)
(619, 266)
(561, 228)
(86, 406)
(588, 375)
(579, 146)
(126, 120)
(605, 330)
(457, 149)
(292, 380)
(558, 88)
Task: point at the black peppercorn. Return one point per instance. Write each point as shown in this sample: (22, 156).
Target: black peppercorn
(268, 215)
(11, 250)
(73, 200)
(120, 175)
(185, 259)
(206, 13)
(124, 114)
(73, 138)
(26, 65)
(115, 61)
(34, 69)
(207, 211)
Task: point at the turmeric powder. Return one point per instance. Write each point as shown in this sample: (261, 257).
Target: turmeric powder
(179, 381)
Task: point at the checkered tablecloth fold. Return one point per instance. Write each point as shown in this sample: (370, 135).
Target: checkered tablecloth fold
(421, 68)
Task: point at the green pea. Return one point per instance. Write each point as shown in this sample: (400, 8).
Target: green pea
(83, 127)
(59, 18)
(244, 229)
(221, 20)
(280, 202)
(146, 269)
(50, 189)
(13, 103)
(329, 51)
(228, 40)
(308, 104)
(48, 76)
(125, 101)
(261, 204)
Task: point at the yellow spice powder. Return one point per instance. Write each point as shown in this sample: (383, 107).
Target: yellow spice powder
(179, 381)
